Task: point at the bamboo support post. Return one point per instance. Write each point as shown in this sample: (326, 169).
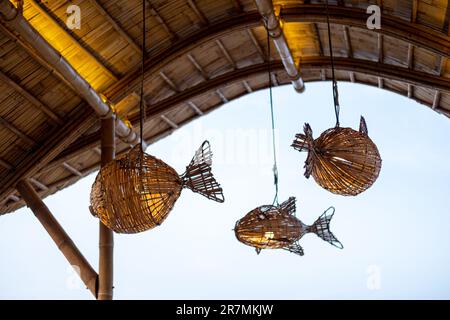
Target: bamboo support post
(273, 25)
(106, 237)
(59, 236)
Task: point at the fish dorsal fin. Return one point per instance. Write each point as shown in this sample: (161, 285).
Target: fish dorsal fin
(289, 206)
(363, 126)
(295, 248)
(304, 142)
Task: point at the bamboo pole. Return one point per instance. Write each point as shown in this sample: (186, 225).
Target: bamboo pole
(273, 25)
(59, 236)
(106, 237)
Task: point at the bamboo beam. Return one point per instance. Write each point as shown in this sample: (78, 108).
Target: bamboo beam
(221, 96)
(273, 25)
(32, 99)
(76, 43)
(116, 26)
(14, 198)
(318, 40)
(56, 60)
(59, 236)
(380, 48)
(169, 81)
(436, 99)
(198, 66)
(247, 86)
(440, 65)
(380, 83)
(17, 132)
(348, 43)
(410, 91)
(71, 169)
(38, 184)
(415, 6)
(169, 122)
(274, 79)
(352, 77)
(410, 57)
(256, 44)
(226, 54)
(106, 237)
(197, 12)
(161, 20)
(195, 108)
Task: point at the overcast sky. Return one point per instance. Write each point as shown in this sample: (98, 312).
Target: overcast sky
(395, 235)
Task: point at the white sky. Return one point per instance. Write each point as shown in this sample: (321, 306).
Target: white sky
(395, 235)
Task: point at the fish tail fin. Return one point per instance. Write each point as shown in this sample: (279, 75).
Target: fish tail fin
(321, 228)
(198, 176)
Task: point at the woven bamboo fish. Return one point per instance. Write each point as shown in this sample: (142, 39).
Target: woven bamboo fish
(342, 160)
(136, 191)
(277, 227)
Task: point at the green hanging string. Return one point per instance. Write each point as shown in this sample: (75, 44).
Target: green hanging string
(275, 167)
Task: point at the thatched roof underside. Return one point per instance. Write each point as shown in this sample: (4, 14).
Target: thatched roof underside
(201, 54)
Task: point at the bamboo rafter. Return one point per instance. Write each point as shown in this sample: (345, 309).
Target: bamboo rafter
(116, 26)
(161, 20)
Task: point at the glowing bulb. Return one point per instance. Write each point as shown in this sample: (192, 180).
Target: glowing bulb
(269, 235)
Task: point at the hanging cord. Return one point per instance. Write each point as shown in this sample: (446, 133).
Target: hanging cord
(142, 103)
(335, 86)
(275, 167)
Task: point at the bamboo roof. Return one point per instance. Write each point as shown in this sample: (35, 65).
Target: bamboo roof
(201, 54)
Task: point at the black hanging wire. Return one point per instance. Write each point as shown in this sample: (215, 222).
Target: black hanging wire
(275, 167)
(142, 103)
(335, 86)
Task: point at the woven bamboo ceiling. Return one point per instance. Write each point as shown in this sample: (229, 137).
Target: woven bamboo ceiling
(200, 55)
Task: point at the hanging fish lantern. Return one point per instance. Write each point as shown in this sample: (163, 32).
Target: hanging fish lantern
(342, 160)
(136, 191)
(277, 227)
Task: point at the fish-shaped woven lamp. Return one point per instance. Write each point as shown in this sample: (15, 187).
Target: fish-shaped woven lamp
(342, 160)
(136, 191)
(277, 227)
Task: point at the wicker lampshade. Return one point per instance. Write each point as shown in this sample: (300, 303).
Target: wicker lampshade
(276, 227)
(268, 227)
(342, 160)
(136, 191)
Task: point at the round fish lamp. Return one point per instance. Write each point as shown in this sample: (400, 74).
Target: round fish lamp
(136, 191)
(342, 160)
